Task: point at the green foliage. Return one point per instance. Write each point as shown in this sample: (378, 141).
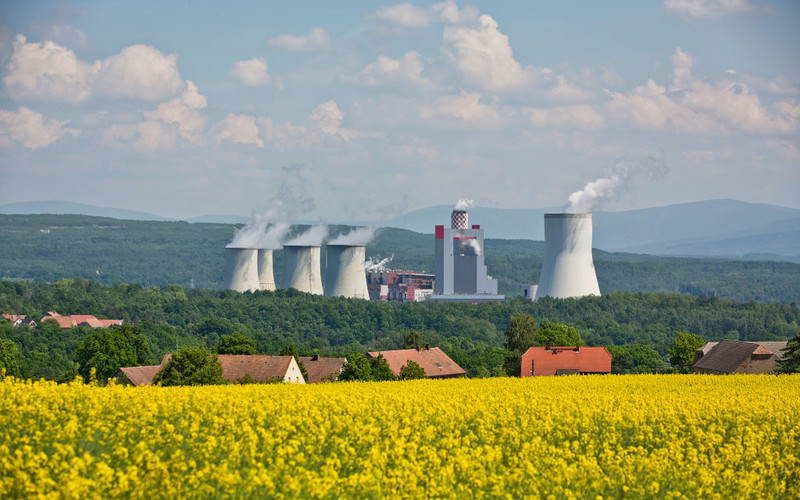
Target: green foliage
(291, 350)
(681, 354)
(357, 367)
(556, 334)
(635, 358)
(109, 349)
(236, 343)
(412, 339)
(411, 370)
(9, 362)
(191, 366)
(790, 361)
(380, 369)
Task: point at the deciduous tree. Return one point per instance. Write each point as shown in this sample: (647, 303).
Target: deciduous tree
(412, 370)
(681, 354)
(192, 365)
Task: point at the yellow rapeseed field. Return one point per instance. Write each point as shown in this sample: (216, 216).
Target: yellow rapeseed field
(634, 436)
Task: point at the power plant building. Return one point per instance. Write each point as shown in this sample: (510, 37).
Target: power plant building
(266, 276)
(344, 272)
(302, 268)
(241, 269)
(568, 267)
(400, 286)
(460, 270)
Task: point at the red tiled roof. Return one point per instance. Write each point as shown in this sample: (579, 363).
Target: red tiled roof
(434, 361)
(141, 375)
(261, 368)
(63, 321)
(320, 369)
(541, 361)
(80, 319)
(110, 322)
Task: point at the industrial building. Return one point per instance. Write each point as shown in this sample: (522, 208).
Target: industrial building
(400, 286)
(266, 276)
(302, 268)
(568, 267)
(344, 271)
(241, 269)
(460, 270)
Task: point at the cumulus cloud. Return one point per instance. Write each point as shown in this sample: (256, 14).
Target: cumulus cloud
(407, 70)
(580, 116)
(712, 8)
(253, 73)
(483, 55)
(61, 32)
(564, 90)
(681, 70)
(31, 129)
(50, 72)
(184, 112)
(464, 108)
(241, 129)
(316, 39)
(149, 135)
(46, 71)
(412, 16)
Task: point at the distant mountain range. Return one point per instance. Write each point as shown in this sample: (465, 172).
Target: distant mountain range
(714, 228)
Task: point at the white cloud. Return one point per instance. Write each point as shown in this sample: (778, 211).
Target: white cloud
(465, 108)
(681, 69)
(327, 117)
(317, 39)
(140, 72)
(184, 112)
(412, 16)
(49, 72)
(253, 73)
(240, 129)
(407, 70)
(711, 8)
(580, 116)
(564, 90)
(31, 129)
(483, 55)
(150, 135)
(46, 71)
(61, 32)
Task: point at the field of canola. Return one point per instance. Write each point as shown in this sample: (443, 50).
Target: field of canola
(633, 436)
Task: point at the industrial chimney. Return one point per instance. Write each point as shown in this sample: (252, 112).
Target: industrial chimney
(301, 268)
(568, 268)
(459, 219)
(241, 269)
(344, 273)
(266, 277)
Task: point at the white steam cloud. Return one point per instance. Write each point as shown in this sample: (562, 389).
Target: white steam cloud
(357, 236)
(313, 236)
(618, 179)
(467, 242)
(376, 266)
(258, 233)
(464, 204)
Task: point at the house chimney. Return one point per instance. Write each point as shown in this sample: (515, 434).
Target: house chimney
(427, 347)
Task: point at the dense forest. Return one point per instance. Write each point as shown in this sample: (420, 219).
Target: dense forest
(48, 248)
(473, 334)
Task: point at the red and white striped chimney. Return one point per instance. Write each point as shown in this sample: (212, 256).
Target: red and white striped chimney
(459, 219)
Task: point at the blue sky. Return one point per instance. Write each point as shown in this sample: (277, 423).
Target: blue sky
(336, 111)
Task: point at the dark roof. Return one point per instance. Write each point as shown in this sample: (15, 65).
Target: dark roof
(433, 360)
(319, 368)
(726, 356)
(557, 360)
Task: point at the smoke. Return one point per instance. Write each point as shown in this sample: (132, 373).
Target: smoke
(258, 233)
(618, 179)
(372, 266)
(313, 236)
(467, 242)
(356, 236)
(464, 204)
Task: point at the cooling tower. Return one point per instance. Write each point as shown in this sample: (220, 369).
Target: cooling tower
(344, 274)
(241, 269)
(568, 268)
(266, 278)
(459, 219)
(301, 268)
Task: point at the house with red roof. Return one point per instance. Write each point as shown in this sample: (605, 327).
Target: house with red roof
(433, 360)
(84, 320)
(544, 361)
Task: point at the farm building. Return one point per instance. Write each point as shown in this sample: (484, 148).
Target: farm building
(234, 367)
(321, 369)
(544, 361)
(85, 320)
(433, 360)
(734, 356)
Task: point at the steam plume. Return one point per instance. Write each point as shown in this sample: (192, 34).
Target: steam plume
(468, 242)
(372, 266)
(313, 236)
(464, 204)
(619, 178)
(356, 236)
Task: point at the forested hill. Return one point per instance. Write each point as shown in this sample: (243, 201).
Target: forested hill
(470, 333)
(159, 253)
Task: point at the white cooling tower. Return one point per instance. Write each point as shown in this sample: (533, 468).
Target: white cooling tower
(241, 269)
(344, 273)
(568, 268)
(301, 268)
(266, 277)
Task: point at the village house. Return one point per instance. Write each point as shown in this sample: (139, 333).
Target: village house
(321, 369)
(234, 367)
(84, 320)
(433, 360)
(544, 361)
(20, 320)
(735, 356)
